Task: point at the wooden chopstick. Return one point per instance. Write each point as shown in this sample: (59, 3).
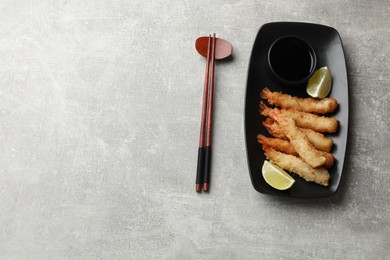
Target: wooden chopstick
(209, 122)
(201, 151)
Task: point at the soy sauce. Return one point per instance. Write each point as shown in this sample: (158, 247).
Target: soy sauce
(292, 59)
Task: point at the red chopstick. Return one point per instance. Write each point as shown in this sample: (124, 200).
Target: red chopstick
(201, 150)
(209, 123)
(204, 151)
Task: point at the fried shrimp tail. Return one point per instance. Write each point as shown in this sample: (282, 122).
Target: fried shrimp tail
(285, 146)
(273, 128)
(264, 109)
(310, 105)
(319, 141)
(304, 119)
(278, 144)
(294, 164)
(298, 140)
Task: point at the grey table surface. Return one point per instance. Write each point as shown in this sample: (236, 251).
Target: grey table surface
(100, 107)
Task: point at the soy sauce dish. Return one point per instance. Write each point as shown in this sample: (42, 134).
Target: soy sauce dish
(292, 60)
(284, 56)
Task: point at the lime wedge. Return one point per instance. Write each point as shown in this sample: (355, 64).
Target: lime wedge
(320, 83)
(276, 177)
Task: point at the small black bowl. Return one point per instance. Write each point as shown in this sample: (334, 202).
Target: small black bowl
(292, 60)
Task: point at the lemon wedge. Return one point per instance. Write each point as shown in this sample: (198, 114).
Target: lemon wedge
(276, 177)
(320, 83)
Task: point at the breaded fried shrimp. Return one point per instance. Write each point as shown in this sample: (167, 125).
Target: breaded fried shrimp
(319, 141)
(285, 146)
(310, 105)
(304, 119)
(294, 164)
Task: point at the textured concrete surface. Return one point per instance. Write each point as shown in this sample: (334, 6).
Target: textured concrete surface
(99, 121)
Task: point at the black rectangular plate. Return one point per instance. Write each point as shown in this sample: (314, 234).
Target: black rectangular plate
(329, 50)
